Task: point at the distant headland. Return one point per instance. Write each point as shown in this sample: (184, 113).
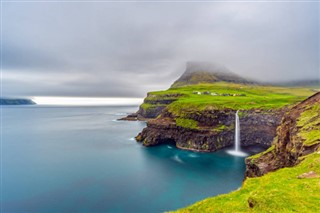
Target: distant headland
(16, 101)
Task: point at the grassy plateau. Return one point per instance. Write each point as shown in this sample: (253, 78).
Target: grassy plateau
(247, 96)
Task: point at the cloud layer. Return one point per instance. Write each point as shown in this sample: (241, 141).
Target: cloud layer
(126, 49)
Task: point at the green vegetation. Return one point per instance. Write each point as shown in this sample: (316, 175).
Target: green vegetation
(280, 191)
(309, 121)
(270, 149)
(285, 190)
(150, 106)
(183, 101)
(187, 123)
(256, 96)
(220, 128)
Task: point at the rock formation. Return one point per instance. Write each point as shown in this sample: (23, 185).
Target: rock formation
(214, 130)
(290, 143)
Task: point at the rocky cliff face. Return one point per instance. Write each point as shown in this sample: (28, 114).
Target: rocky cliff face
(297, 136)
(213, 129)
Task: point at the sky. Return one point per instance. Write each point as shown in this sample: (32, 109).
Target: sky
(125, 49)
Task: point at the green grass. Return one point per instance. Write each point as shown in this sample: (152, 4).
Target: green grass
(279, 191)
(150, 106)
(309, 121)
(270, 149)
(187, 123)
(263, 97)
(220, 128)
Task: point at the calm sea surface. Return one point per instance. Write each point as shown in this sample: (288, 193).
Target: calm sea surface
(81, 159)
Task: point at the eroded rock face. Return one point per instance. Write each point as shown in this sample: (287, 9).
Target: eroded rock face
(288, 146)
(259, 127)
(151, 112)
(215, 129)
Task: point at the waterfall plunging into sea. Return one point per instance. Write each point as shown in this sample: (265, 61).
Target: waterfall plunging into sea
(237, 140)
(237, 133)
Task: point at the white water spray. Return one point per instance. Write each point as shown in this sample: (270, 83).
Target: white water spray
(236, 150)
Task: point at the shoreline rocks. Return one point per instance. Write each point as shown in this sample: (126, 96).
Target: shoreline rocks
(215, 129)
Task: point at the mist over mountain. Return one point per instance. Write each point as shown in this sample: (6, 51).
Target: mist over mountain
(208, 72)
(299, 83)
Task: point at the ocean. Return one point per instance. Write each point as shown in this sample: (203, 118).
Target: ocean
(81, 159)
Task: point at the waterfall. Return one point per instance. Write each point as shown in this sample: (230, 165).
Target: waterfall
(236, 151)
(237, 133)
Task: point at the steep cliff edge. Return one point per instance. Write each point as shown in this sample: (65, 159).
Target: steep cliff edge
(297, 136)
(198, 111)
(210, 129)
(294, 158)
(201, 117)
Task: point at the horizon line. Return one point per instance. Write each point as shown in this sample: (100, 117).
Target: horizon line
(85, 101)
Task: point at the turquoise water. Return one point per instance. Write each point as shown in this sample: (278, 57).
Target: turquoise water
(80, 159)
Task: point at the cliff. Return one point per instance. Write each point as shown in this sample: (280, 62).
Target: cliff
(198, 111)
(298, 135)
(294, 159)
(210, 129)
(201, 117)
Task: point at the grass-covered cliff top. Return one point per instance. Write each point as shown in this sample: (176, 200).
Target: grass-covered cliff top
(294, 189)
(228, 95)
(309, 122)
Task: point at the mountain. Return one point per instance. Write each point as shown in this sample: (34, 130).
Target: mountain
(204, 72)
(16, 101)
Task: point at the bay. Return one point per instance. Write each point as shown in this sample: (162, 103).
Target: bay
(81, 159)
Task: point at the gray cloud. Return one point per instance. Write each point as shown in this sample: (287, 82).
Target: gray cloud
(127, 49)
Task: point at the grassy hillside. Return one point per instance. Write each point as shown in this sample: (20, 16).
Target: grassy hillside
(280, 191)
(248, 96)
(294, 189)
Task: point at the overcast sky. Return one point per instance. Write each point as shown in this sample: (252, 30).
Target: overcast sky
(107, 49)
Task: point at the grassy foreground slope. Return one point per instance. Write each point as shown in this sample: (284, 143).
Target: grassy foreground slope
(248, 96)
(280, 191)
(293, 189)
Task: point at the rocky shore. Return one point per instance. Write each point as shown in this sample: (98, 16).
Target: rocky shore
(214, 130)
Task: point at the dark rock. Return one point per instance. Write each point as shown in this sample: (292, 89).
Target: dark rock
(288, 145)
(256, 128)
